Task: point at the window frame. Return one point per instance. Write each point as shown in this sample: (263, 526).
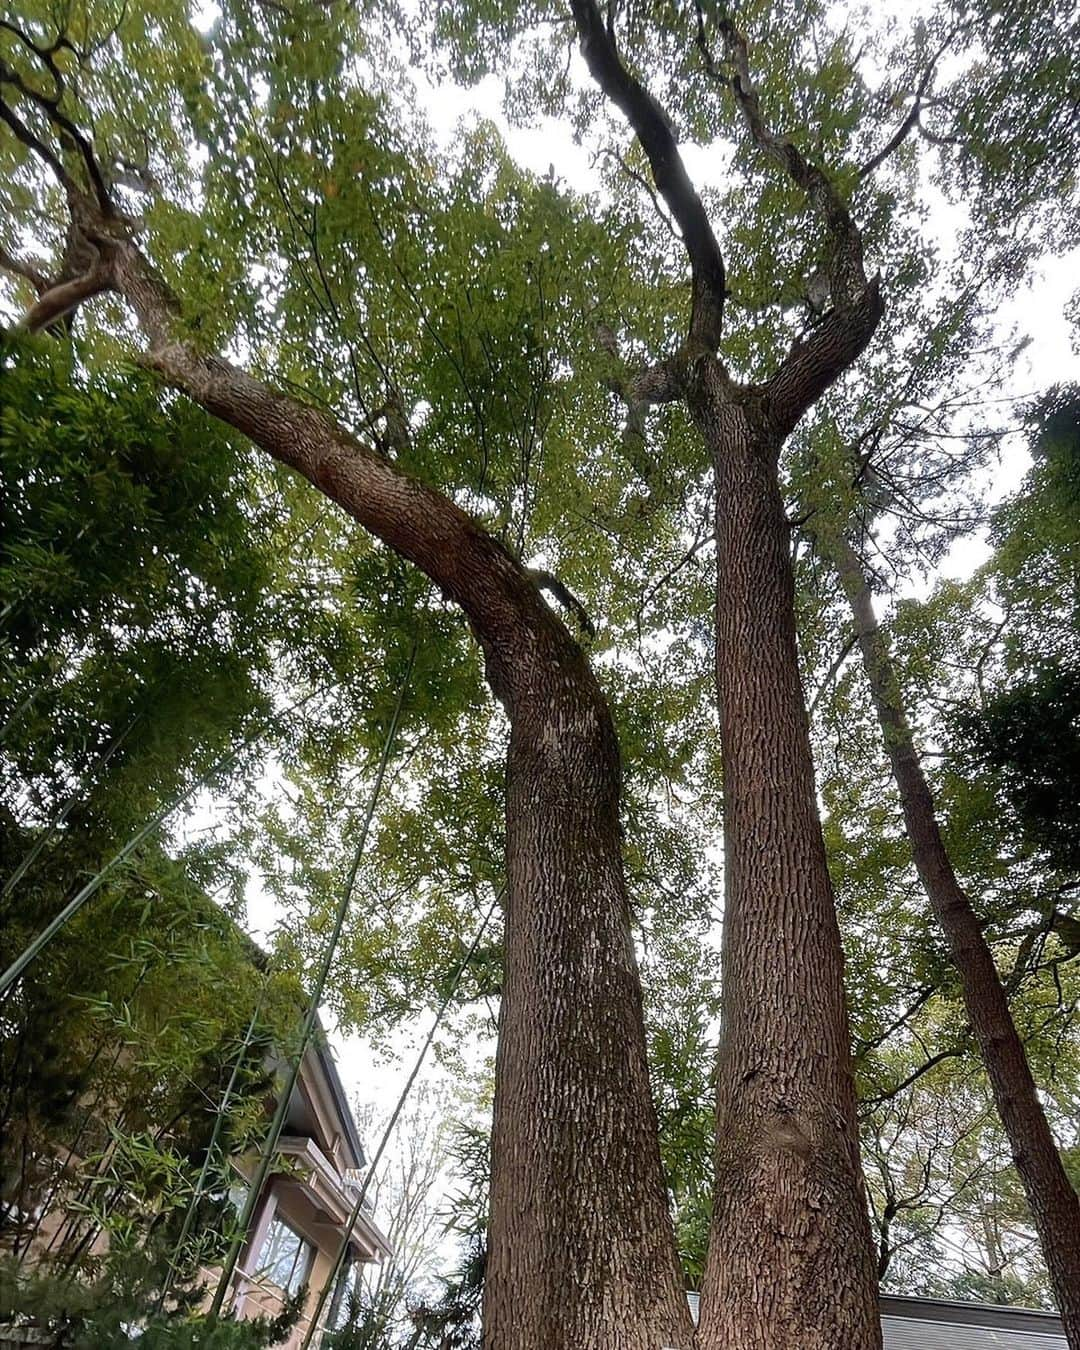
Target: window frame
(267, 1267)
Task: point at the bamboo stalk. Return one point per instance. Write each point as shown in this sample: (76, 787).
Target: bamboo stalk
(18, 712)
(343, 1248)
(28, 861)
(204, 1171)
(267, 1152)
(8, 978)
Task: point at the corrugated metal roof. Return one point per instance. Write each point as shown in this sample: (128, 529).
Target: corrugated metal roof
(916, 1333)
(936, 1324)
(920, 1334)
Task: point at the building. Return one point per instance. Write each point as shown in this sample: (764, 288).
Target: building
(301, 1216)
(306, 1204)
(83, 1086)
(938, 1324)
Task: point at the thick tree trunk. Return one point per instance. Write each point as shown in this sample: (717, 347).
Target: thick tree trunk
(581, 1249)
(790, 1264)
(1054, 1203)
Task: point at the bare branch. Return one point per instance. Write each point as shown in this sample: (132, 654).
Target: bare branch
(896, 140)
(646, 186)
(641, 390)
(64, 126)
(37, 146)
(834, 669)
(472, 568)
(19, 268)
(911, 121)
(659, 383)
(814, 362)
(847, 275)
(913, 1077)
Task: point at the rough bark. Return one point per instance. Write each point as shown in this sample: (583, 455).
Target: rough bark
(1055, 1206)
(581, 1248)
(790, 1263)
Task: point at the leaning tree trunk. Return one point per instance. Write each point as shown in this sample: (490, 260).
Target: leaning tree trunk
(581, 1247)
(790, 1264)
(1054, 1203)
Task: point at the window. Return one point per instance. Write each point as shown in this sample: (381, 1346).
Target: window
(285, 1259)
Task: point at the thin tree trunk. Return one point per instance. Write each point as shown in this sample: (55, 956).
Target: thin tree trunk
(582, 1251)
(1055, 1206)
(791, 1262)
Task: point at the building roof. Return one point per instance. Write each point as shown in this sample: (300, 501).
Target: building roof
(323, 1054)
(320, 1077)
(330, 1197)
(337, 1089)
(938, 1324)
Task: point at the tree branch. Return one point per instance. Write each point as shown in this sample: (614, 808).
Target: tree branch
(653, 129)
(27, 271)
(548, 581)
(646, 186)
(911, 121)
(913, 1077)
(65, 297)
(841, 656)
(502, 601)
(814, 362)
(846, 272)
(24, 135)
(659, 383)
(65, 128)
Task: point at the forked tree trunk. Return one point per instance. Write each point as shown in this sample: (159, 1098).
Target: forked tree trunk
(1055, 1206)
(581, 1248)
(790, 1263)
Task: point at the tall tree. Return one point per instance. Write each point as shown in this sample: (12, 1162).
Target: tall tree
(785, 1110)
(572, 1095)
(842, 541)
(1054, 1202)
(788, 1187)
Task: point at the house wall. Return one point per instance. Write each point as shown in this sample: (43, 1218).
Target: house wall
(258, 1297)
